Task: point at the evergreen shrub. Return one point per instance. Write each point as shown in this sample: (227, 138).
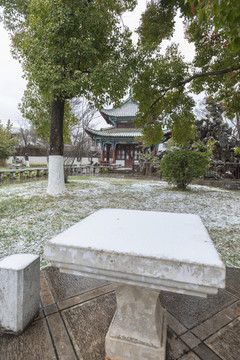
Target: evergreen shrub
(180, 167)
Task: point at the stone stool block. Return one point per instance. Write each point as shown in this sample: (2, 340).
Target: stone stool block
(19, 290)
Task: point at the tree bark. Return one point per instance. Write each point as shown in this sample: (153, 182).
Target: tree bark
(56, 131)
(238, 125)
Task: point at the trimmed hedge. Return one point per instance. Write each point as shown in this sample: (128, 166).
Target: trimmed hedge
(180, 167)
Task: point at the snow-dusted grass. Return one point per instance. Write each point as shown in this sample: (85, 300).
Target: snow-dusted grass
(29, 217)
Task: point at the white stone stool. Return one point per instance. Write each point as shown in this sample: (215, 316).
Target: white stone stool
(19, 290)
(143, 252)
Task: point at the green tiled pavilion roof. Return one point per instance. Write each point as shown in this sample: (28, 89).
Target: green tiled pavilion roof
(128, 109)
(113, 132)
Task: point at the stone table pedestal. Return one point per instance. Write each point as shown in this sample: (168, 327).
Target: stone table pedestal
(138, 329)
(144, 252)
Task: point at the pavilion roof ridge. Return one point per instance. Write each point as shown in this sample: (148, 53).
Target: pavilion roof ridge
(129, 108)
(116, 132)
(107, 128)
(101, 129)
(129, 99)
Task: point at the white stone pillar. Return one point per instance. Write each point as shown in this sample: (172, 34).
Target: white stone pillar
(56, 185)
(11, 175)
(22, 174)
(138, 329)
(19, 291)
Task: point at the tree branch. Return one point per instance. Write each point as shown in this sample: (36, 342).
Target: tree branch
(193, 77)
(208, 73)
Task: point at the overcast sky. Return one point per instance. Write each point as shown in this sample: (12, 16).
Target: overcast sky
(12, 85)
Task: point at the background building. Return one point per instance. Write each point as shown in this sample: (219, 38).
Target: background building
(119, 143)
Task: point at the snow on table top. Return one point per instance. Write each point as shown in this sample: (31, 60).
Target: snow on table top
(17, 261)
(179, 237)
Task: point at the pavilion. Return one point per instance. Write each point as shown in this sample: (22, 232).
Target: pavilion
(119, 143)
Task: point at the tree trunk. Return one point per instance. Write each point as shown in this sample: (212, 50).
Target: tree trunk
(56, 184)
(238, 125)
(56, 132)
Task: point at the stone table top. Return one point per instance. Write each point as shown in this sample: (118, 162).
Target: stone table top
(159, 250)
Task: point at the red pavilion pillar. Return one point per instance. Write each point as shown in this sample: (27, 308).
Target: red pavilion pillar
(114, 154)
(107, 153)
(102, 153)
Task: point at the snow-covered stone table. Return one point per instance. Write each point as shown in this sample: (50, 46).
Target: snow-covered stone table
(143, 252)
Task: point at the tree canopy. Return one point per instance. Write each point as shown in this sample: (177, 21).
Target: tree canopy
(7, 142)
(167, 79)
(71, 48)
(224, 15)
(80, 48)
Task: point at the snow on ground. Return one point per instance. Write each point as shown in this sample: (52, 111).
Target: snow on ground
(29, 217)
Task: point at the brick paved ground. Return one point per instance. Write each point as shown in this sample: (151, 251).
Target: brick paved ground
(76, 312)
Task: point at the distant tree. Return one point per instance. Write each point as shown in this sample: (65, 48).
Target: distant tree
(7, 142)
(36, 110)
(68, 49)
(35, 107)
(26, 134)
(79, 139)
(28, 137)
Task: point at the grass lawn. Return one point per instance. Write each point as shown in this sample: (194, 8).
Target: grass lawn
(29, 217)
